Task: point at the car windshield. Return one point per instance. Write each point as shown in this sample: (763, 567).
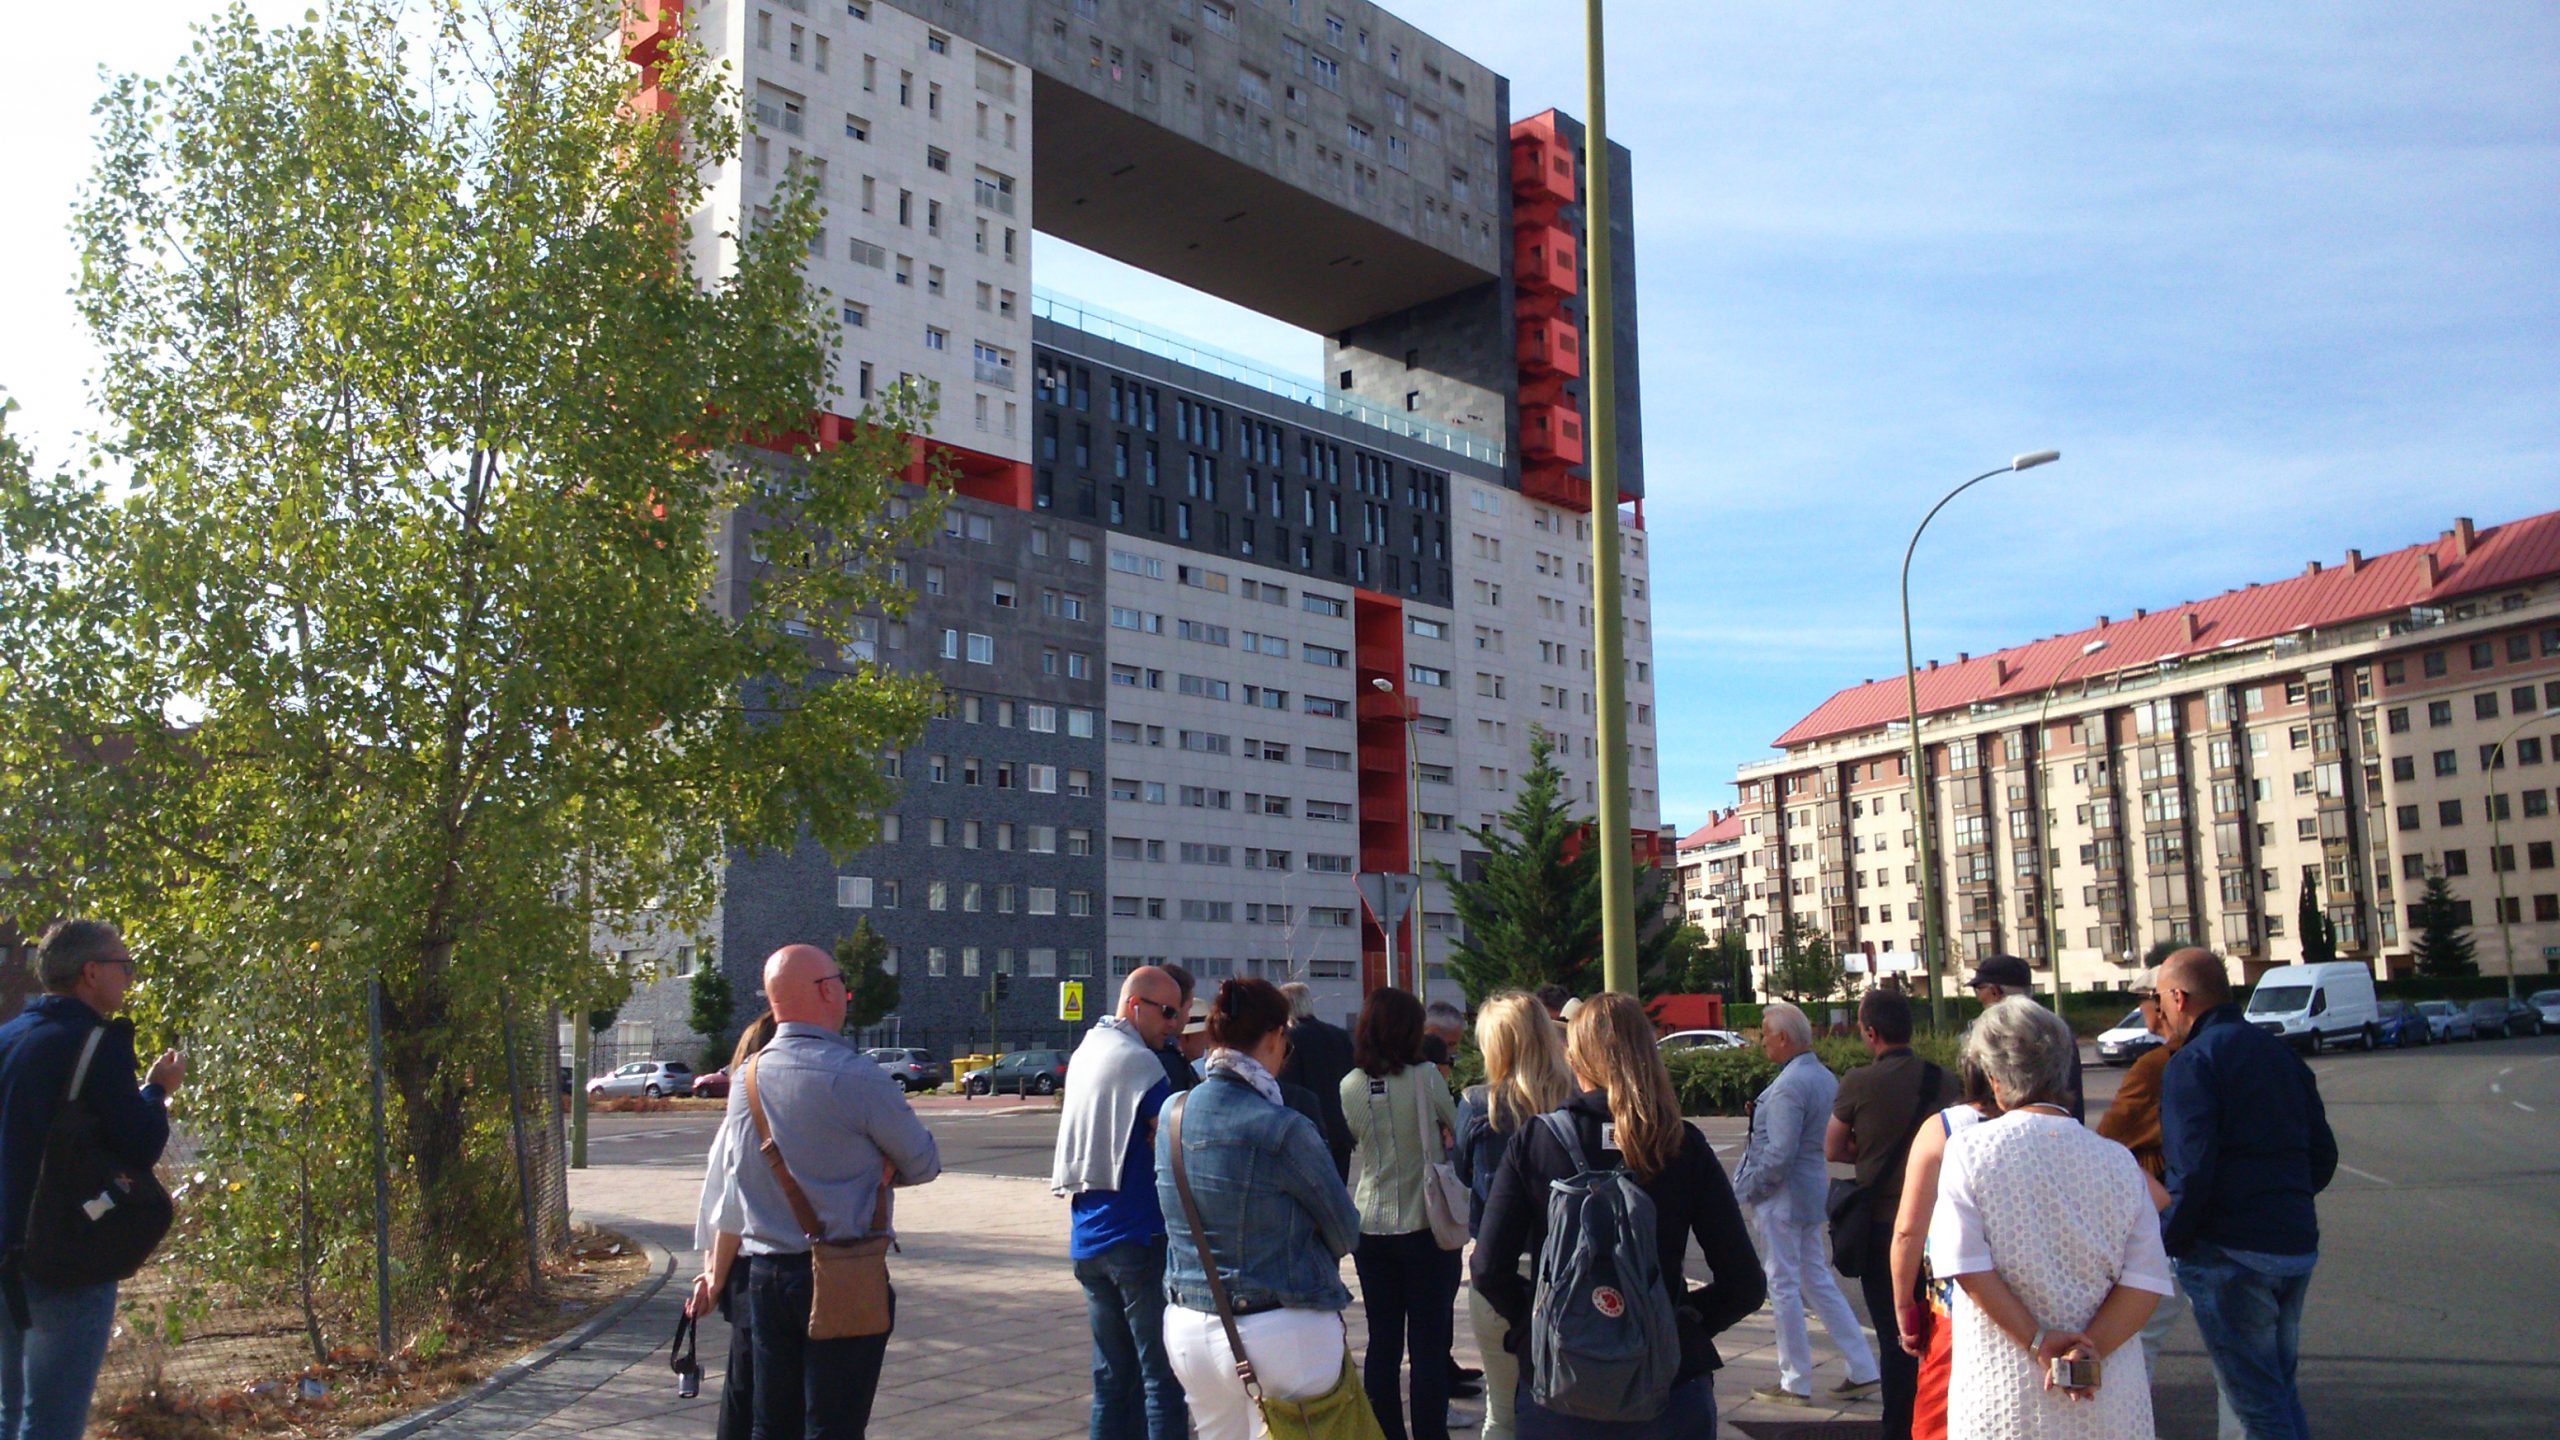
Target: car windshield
(2434, 1007)
(2488, 1007)
(2132, 1020)
(2544, 997)
(2279, 1000)
(2392, 1008)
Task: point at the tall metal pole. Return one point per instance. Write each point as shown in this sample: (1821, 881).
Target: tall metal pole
(1413, 787)
(1609, 681)
(1930, 927)
(2497, 758)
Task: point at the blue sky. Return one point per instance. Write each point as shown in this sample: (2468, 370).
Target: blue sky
(2276, 279)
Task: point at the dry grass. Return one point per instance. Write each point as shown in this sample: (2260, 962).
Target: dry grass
(245, 1369)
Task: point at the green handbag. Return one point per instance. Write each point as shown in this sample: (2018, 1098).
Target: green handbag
(1341, 1413)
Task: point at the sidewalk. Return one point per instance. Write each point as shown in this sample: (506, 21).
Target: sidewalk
(991, 1341)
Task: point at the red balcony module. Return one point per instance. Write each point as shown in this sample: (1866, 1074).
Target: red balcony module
(1551, 433)
(1546, 257)
(1541, 169)
(1550, 346)
(1558, 486)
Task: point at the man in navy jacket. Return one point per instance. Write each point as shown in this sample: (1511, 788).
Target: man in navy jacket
(52, 1339)
(2247, 1146)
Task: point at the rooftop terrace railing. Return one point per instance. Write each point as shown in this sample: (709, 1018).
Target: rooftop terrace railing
(1226, 365)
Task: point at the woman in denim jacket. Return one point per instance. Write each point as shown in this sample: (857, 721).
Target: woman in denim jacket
(1278, 1221)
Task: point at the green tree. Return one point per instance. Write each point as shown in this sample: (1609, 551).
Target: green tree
(2443, 944)
(2161, 950)
(871, 987)
(386, 656)
(711, 1007)
(1728, 964)
(2319, 934)
(1806, 966)
(1532, 916)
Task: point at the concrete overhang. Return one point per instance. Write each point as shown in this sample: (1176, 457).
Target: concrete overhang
(1127, 187)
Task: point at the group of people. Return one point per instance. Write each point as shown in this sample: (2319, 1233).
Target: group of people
(2007, 1252)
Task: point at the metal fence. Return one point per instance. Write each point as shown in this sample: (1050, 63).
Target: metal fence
(186, 1337)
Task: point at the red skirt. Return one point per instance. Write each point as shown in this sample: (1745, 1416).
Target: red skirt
(1937, 1364)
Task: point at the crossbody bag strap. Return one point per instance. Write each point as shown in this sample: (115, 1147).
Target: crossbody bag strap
(1919, 1117)
(1200, 1240)
(801, 1210)
(1423, 1128)
(80, 1069)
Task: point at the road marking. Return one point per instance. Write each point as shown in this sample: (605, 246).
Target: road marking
(2364, 1175)
(2503, 1074)
(2497, 1089)
(2529, 1110)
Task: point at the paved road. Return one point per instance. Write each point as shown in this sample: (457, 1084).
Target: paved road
(2432, 1313)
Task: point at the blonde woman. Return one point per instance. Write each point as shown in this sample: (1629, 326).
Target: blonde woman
(1525, 1076)
(1628, 1115)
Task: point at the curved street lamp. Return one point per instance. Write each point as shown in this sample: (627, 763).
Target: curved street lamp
(2489, 778)
(2044, 798)
(1413, 847)
(1929, 938)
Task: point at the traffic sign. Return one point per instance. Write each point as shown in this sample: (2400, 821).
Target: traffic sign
(1071, 1000)
(2551, 952)
(1390, 895)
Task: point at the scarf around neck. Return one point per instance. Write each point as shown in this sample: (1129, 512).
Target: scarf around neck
(1247, 1069)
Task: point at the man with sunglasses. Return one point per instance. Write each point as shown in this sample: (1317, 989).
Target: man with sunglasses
(1105, 1164)
(53, 1338)
(844, 1129)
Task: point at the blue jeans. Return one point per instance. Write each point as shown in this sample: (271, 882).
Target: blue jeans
(1135, 1394)
(2249, 1308)
(49, 1370)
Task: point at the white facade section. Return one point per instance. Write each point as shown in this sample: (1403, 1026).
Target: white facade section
(921, 143)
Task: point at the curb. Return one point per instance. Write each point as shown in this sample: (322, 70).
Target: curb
(662, 1265)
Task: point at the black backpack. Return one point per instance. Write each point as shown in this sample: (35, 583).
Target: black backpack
(94, 1218)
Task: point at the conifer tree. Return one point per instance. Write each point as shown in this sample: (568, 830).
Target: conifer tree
(2443, 946)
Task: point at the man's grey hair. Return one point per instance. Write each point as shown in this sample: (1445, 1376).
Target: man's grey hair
(1441, 1012)
(2026, 1051)
(69, 946)
(1789, 1021)
(1302, 1001)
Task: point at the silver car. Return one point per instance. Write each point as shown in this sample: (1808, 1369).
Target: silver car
(2445, 1020)
(2546, 1003)
(654, 1079)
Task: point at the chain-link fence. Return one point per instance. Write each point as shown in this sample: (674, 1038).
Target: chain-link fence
(197, 1330)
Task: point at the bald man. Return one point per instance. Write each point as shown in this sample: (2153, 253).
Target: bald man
(844, 1130)
(1106, 1166)
(2246, 1146)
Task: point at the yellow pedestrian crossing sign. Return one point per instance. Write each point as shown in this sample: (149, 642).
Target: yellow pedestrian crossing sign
(1071, 1000)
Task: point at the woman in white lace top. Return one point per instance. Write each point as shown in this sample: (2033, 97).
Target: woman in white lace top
(2051, 1236)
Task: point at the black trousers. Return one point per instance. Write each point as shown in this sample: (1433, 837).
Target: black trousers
(1901, 1372)
(1409, 1286)
(805, 1389)
(738, 1383)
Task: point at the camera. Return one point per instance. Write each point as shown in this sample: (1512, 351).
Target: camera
(680, 1359)
(2073, 1372)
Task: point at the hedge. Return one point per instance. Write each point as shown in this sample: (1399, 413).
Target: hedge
(1717, 1082)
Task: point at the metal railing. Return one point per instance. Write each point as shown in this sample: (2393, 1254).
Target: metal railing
(1226, 365)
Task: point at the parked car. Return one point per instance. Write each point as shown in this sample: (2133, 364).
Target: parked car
(1679, 1040)
(2401, 1024)
(2446, 1021)
(1024, 1072)
(2315, 1006)
(652, 1078)
(712, 1084)
(2546, 1008)
(913, 1069)
(2497, 1019)
(2129, 1041)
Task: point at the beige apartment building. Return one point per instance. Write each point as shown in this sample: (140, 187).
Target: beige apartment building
(2184, 773)
(1706, 877)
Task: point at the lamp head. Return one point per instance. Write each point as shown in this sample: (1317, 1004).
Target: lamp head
(2093, 647)
(1384, 685)
(2034, 459)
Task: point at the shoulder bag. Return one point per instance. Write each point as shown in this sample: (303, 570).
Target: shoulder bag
(1341, 1413)
(1852, 1205)
(1444, 1195)
(93, 1219)
(848, 1279)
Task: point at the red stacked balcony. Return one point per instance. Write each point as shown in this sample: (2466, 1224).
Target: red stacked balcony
(1547, 258)
(1541, 168)
(1551, 434)
(1550, 345)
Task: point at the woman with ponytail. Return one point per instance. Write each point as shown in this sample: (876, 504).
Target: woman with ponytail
(1627, 1115)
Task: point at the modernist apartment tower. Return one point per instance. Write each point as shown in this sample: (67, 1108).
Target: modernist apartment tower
(2187, 774)
(1213, 640)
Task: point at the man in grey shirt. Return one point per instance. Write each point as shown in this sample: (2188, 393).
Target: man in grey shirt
(844, 1128)
(1784, 1179)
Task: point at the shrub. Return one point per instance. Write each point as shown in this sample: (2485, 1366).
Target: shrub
(1717, 1082)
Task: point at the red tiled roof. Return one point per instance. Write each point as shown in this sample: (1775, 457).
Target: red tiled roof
(2430, 573)
(1726, 826)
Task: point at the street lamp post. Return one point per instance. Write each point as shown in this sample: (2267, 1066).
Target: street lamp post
(2498, 757)
(1929, 925)
(1413, 847)
(2044, 799)
(1608, 625)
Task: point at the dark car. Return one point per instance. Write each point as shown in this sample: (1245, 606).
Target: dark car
(712, 1084)
(2491, 1019)
(2400, 1024)
(913, 1069)
(1024, 1072)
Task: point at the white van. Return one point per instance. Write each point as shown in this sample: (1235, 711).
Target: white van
(2315, 1006)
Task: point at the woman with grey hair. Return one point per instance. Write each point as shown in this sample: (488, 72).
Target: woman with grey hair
(2050, 1235)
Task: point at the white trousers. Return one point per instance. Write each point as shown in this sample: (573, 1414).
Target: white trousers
(1799, 1275)
(1295, 1354)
